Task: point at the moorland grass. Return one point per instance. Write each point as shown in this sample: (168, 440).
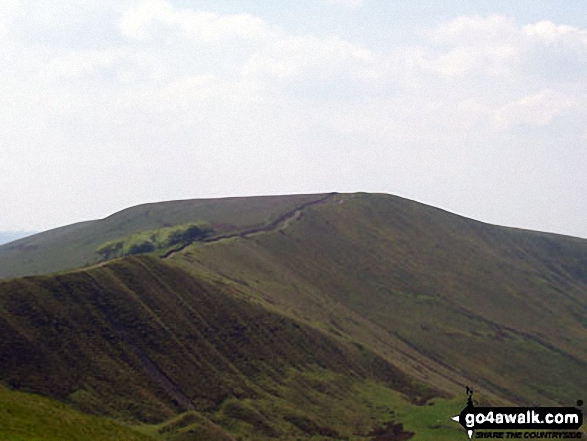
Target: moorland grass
(357, 313)
(30, 417)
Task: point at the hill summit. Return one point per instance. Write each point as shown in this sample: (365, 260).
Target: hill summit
(331, 316)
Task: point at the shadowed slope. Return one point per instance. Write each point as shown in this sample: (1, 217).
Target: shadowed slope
(138, 338)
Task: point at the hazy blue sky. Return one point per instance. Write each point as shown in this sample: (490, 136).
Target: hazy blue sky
(476, 107)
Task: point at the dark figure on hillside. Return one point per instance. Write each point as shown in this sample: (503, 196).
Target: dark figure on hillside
(469, 397)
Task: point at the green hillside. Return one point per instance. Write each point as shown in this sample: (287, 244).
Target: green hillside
(25, 417)
(143, 341)
(322, 317)
(76, 245)
(9, 236)
(500, 307)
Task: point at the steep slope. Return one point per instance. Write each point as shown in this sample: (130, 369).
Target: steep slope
(503, 308)
(75, 245)
(139, 339)
(318, 317)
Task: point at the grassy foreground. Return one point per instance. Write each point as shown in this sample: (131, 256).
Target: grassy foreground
(321, 406)
(28, 417)
(337, 410)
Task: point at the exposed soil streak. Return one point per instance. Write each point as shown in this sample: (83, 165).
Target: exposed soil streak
(260, 228)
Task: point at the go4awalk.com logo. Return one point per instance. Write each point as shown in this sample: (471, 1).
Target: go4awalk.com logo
(520, 422)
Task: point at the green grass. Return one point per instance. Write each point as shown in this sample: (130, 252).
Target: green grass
(176, 237)
(318, 405)
(141, 339)
(348, 315)
(501, 308)
(321, 402)
(29, 417)
(75, 245)
(429, 422)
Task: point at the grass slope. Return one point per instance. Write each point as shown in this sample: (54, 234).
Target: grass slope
(328, 318)
(318, 405)
(75, 245)
(499, 307)
(28, 417)
(9, 236)
(141, 340)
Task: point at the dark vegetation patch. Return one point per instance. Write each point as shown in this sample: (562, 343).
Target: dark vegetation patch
(310, 427)
(237, 410)
(22, 247)
(183, 421)
(207, 432)
(175, 237)
(140, 339)
(192, 427)
(390, 432)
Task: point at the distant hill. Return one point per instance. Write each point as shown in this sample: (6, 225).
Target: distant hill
(301, 317)
(76, 245)
(9, 236)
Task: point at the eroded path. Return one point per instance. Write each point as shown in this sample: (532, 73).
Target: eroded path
(284, 218)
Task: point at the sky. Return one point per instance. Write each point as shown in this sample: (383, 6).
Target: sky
(476, 107)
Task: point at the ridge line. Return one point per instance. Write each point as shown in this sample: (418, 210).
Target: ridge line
(257, 229)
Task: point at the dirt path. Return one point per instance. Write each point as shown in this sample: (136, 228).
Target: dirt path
(284, 218)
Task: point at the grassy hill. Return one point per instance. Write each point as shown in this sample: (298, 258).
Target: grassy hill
(312, 317)
(9, 236)
(503, 308)
(140, 340)
(25, 417)
(76, 245)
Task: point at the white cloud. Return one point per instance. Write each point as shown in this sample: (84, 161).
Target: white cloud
(309, 58)
(475, 31)
(219, 103)
(8, 10)
(465, 60)
(534, 110)
(80, 63)
(475, 45)
(352, 4)
(136, 21)
(497, 46)
(141, 21)
(548, 32)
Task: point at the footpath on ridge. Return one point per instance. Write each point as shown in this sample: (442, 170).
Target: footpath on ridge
(259, 228)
